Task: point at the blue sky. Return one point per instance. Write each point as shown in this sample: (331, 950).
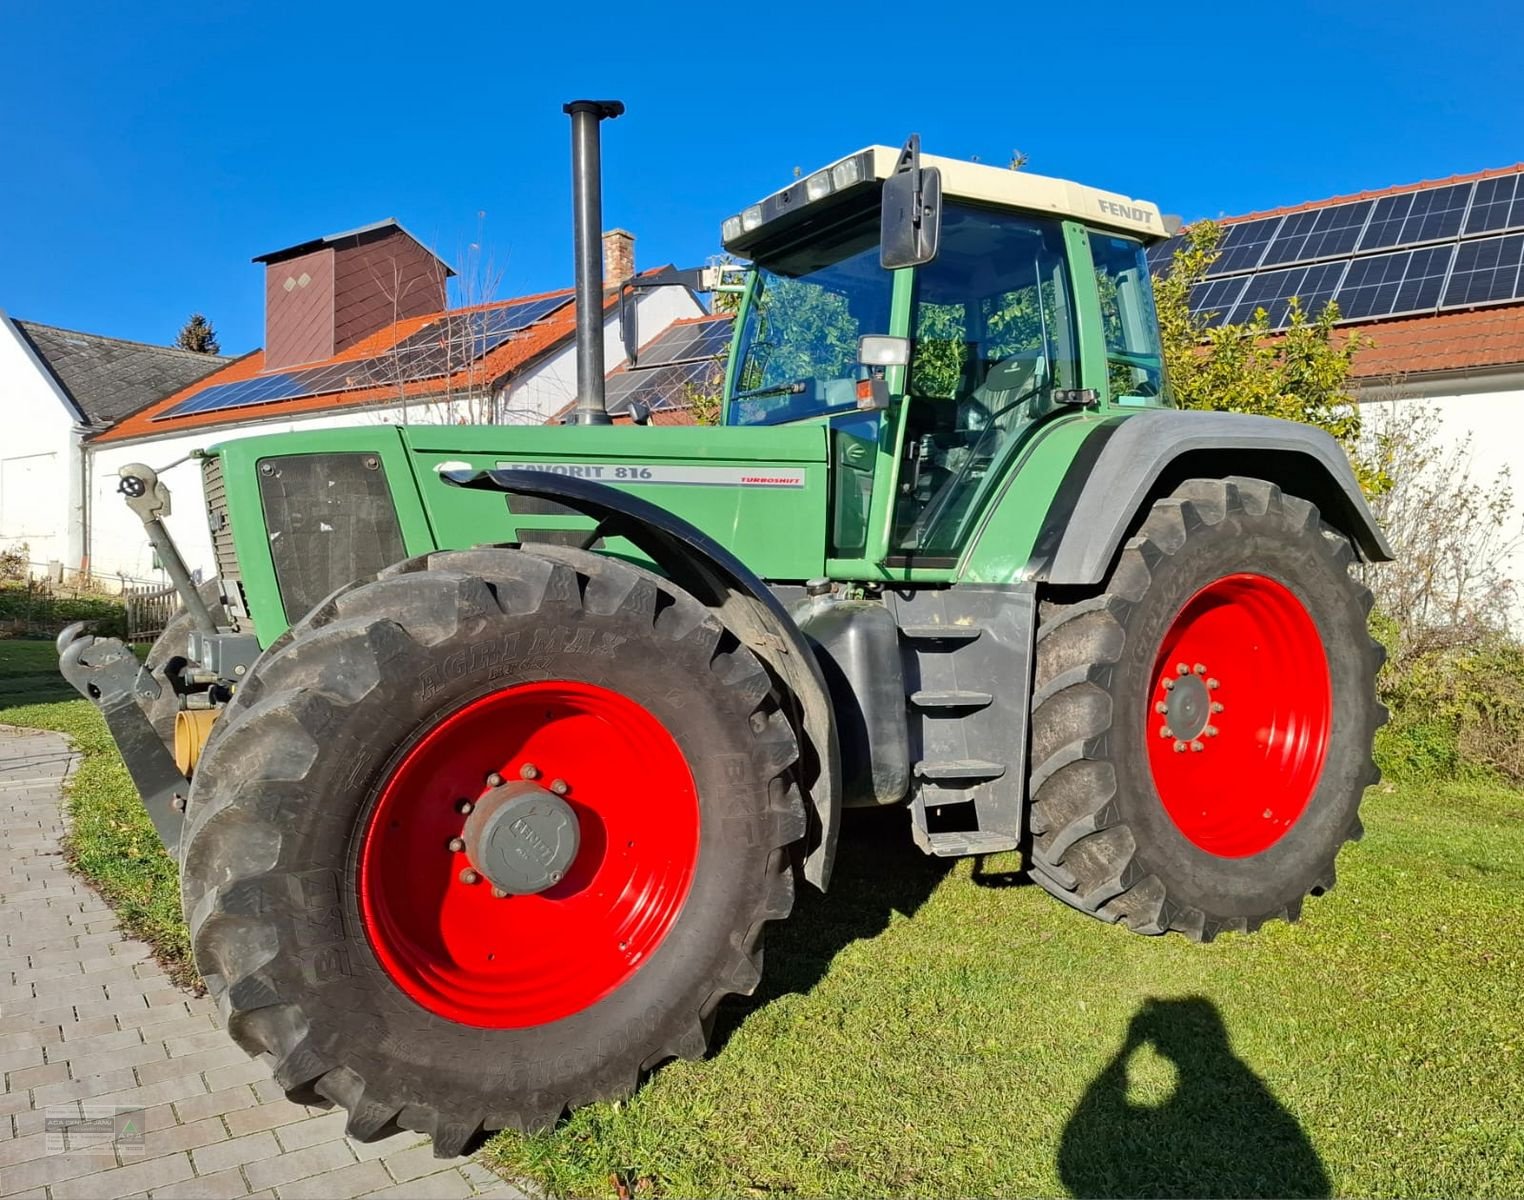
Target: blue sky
(148, 151)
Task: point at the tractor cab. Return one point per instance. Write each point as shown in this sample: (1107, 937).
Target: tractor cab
(1020, 300)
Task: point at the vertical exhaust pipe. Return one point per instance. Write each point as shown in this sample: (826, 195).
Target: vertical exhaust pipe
(587, 242)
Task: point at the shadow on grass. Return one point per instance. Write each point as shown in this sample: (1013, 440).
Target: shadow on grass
(1220, 1133)
(879, 872)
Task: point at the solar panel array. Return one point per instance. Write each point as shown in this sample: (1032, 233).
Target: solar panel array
(681, 361)
(442, 347)
(1447, 246)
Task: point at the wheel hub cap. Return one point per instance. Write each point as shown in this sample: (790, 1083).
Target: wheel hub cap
(522, 837)
(1240, 714)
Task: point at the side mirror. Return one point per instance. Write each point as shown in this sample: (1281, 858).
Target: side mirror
(629, 323)
(910, 212)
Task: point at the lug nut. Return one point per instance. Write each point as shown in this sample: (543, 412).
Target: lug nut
(1166, 731)
(464, 807)
(1179, 747)
(494, 780)
(456, 845)
(529, 771)
(499, 894)
(1197, 747)
(1200, 670)
(1182, 669)
(1169, 685)
(1216, 707)
(469, 876)
(1210, 731)
(1213, 684)
(559, 787)
(178, 804)
(1161, 708)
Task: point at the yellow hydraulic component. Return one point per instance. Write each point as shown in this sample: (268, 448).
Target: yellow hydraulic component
(192, 727)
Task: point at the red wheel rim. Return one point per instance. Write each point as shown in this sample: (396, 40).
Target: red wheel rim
(522, 960)
(1240, 708)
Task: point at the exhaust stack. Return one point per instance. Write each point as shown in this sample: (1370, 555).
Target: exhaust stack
(587, 242)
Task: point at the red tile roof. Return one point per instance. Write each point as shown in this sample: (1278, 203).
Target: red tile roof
(519, 350)
(1490, 173)
(1450, 341)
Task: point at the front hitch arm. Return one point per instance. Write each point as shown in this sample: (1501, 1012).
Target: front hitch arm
(106, 672)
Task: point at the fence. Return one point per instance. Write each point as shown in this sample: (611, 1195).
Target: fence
(149, 609)
(35, 602)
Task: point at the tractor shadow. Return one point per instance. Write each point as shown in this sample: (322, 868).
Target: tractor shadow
(1221, 1132)
(879, 871)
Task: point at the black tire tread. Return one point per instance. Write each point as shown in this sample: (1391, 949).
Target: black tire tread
(1080, 851)
(294, 690)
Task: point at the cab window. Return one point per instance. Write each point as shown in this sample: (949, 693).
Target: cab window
(992, 341)
(1134, 361)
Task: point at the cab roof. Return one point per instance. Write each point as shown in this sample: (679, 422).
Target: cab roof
(960, 181)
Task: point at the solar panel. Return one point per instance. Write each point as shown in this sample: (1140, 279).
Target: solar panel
(1243, 245)
(680, 343)
(666, 387)
(1318, 233)
(1162, 254)
(1217, 297)
(1497, 204)
(1313, 286)
(1486, 271)
(1387, 285)
(445, 345)
(1429, 215)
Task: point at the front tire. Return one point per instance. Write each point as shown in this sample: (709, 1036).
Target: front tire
(1202, 729)
(326, 876)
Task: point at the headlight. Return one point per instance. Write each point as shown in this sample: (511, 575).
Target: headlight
(818, 185)
(847, 172)
(751, 217)
(731, 229)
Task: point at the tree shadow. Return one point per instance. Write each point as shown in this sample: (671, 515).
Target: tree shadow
(879, 871)
(1220, 1133)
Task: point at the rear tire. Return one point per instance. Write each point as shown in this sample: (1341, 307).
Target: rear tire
(332, 922)
(1233, 818)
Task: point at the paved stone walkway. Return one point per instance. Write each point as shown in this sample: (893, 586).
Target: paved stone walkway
(91, 1030)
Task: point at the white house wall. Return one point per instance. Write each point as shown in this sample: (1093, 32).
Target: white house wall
(118, 544)
(39, 456)
(1494, 423)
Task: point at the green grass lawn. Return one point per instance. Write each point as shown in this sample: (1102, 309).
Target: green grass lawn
(942, 1029)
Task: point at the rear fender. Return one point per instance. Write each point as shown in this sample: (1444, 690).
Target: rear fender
(1123, 468)
(742, 602)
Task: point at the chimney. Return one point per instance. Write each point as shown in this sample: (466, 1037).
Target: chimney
(323, 296)
(618, 257)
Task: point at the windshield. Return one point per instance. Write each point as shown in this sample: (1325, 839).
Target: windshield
(808, 307)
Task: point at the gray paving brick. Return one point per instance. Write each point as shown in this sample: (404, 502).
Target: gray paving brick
(183, 1137)
(224, 1185)
(76, 1031)
(141, 1057)
(22, 1149)
(202, 1060)
(30, 1077)
(420, 1160)
(479, 1176)
(287, 1168)
(222, 1155)
(83, 1089)
(394, 1144)
(214, 1104)
(183, 1044)
(446, 1185)
(51, 1169)
(24, 1056)
(158, 1093)
(42, 1035)
(354, 1180)
(135, 1177)
(266, 1116)
(248, 1071)
(78, 1047)
(312, 1130)
(267, 1090)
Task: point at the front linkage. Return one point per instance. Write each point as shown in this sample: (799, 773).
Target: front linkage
(106, 672)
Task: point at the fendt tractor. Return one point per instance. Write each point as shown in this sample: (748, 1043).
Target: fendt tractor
(490, 751)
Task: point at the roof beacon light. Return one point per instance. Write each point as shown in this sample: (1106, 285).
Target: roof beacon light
(731, 229)
(847, 172)
(818, 185)
(751, 217)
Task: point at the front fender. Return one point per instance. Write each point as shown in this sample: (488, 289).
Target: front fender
(710, 572)
(1124, 466)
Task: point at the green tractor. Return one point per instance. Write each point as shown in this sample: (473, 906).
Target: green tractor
(515, 738)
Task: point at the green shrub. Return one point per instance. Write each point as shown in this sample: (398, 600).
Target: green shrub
(1456, 713)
